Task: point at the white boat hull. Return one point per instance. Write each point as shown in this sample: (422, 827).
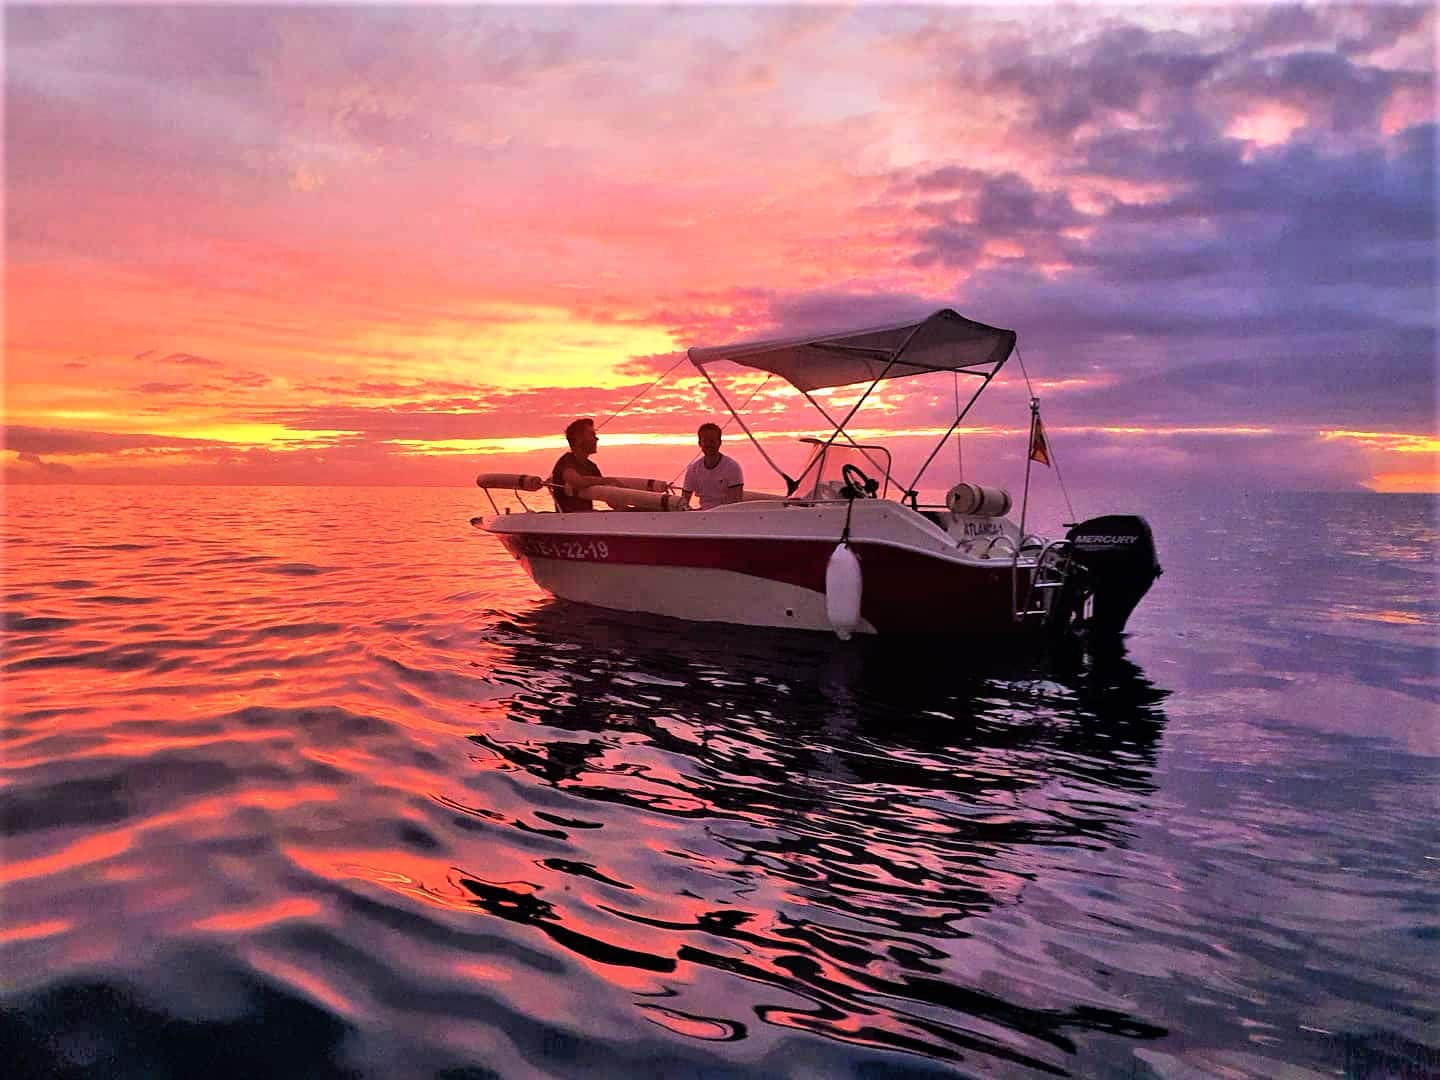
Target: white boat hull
(764, 564)
(683, 592)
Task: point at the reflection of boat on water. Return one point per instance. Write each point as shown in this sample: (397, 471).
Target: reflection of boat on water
(847, 547)
(830, 825)
(591, 669)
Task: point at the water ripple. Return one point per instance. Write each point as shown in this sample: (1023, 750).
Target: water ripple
(348, 796)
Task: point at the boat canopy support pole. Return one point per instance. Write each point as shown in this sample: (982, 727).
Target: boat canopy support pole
(894, 355)
(790, 485)
(849, 438)
(959, 450)
(840, 427)
(914, 484)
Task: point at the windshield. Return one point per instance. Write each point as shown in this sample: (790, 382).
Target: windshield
(824, 479)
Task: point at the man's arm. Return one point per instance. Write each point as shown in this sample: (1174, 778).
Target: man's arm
(736, 491)
(577, 481)
(686, 490)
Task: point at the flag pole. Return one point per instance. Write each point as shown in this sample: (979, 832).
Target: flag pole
(1016, 614)
(1029, 457)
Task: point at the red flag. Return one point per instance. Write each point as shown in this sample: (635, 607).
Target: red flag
(1039, 448)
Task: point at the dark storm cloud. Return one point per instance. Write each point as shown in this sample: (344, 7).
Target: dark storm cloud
(34, 440)
(819, 311)
(1003, 206)
(52, 468)
(1227, 463)
(1087, 85)
(1292, 282)
(1297, 25)
(1291, 217)
(1391, 386)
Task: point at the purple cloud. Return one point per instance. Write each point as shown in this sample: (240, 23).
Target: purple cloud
(54, 468)
(187, 359)
(33, 440)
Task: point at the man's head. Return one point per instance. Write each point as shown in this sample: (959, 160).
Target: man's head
(709, 439)
(580, 434)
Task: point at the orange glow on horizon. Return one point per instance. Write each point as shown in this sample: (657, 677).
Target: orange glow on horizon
(528, 347)
(1426, 483)
(1393, 442)
(360, 274)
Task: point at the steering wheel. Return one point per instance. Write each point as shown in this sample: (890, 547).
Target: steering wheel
(863, 486)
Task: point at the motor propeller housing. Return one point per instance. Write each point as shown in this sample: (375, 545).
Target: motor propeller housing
(1113, 566)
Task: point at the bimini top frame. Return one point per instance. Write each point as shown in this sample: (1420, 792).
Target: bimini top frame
(942, 341)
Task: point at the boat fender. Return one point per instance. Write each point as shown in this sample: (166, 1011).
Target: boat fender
(509, 481)
(619, 498)
(842, 591)
(639, 483)
(978, 500)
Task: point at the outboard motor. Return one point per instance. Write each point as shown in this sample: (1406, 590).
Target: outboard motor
(1114, 565)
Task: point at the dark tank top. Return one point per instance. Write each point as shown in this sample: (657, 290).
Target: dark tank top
(570, 503)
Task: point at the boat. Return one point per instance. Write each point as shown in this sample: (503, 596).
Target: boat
(846, 548)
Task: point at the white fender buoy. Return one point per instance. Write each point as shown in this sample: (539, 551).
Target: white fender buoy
(639, 483)
(978, 500)
(842, 591)
(629, 499)
(507, 481)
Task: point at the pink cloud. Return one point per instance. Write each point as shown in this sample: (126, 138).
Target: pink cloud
(353, 206)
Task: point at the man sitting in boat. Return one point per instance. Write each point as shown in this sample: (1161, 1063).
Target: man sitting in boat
(575, 472)
(715, 477)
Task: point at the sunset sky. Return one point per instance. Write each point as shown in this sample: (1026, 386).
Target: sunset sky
(403, 245)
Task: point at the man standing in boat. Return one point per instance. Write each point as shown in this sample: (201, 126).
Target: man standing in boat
(575, 472)
(714, 477)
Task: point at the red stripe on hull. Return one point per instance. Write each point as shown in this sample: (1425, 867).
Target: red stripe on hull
(904, 591)
(907, 592)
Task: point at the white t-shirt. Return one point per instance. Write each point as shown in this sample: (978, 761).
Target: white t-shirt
(712, 486)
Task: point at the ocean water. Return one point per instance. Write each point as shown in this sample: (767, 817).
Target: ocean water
(300, 782)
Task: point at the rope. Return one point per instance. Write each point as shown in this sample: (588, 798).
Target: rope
(845, 532)
(1028, 388)
(642, 393)
(1056, 462)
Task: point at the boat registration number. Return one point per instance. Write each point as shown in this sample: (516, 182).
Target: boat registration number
(584, 550)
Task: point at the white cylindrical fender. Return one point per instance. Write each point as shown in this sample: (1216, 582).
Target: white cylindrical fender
(978, 500)
(842, 591)
(619, 498)
(639, 483)
(509, 481)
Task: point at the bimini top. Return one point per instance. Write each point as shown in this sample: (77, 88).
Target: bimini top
(943, 341)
